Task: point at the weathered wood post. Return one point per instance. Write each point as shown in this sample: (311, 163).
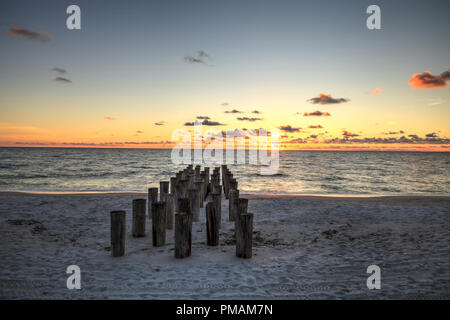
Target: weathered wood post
(212, 228)
(217, 199)
(244, 235)
(194, 197)
(197, 172)
(233, 204)
(183, 229)
(152, 197)
(242, 207)
(233, 184)
(228, 178)
(170, 201)
(163, 189)
(199, 185)
(118, 229)
(159, 224)
(205, 187)
(173, 182)
(138, 227)
(183, 235)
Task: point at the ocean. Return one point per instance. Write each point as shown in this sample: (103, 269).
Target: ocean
(300, 172)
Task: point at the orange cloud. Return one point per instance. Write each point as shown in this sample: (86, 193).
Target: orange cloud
(110, 118)
(316, 114)
(426, 80)
(377, 91)
(31, 35)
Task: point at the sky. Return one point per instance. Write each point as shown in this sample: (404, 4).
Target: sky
(137, 71)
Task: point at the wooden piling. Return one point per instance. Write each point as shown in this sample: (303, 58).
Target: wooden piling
(173, 182)
(183, 235)
(217, 199)
(233, 206)
(118, 229)
(193, 195)
(159, 224)
(163, 189)
(199, 185)
(242, 207)
(170, 204)
(212, 228)
(244, 235)
(138, 227)
(152, 197)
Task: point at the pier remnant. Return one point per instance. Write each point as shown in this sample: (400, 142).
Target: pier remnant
(139, 218)
(118, 228)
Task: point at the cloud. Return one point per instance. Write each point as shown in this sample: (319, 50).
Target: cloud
(316, 114)
(199, 57)
(62, 80)
(225, 104)
(315, 127)
(31, 35)
(139, 131)
(347, 134)
(324, 98)
(393, 132)
(377, 91)
(233, 111)
(298, 140)
(203, 118)
(160, 123)
(100, 144)
(426, 80)
(256, 112)
(59, 70)
(289, 129)
(431, 135)
(110, 118)
(435, 102)
(205, 122)
(411, 139)
(248, 119)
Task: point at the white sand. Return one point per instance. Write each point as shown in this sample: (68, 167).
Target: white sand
(304, 247)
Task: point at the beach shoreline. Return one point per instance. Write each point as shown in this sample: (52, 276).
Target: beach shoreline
(305, 247)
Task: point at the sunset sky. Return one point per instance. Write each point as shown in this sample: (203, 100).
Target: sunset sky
(138, 70)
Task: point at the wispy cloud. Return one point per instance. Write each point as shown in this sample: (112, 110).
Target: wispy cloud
(160, 123)
(348, 134)
(248, 119)
(110, 118)
(435, 102)
(426, 80)
(62, 80)
(31, 35)
(233, 111)
(203, 117)
(59, 70)
(205, 123)
(393, 132)
(316, 114)
(201, 57)
(315, 127)
(324, 98)
(256, 112)
(289, 128)
(139, 131)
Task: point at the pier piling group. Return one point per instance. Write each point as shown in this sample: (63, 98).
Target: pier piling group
(181, 199)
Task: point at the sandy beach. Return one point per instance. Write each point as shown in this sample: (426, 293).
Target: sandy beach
(305, 247)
